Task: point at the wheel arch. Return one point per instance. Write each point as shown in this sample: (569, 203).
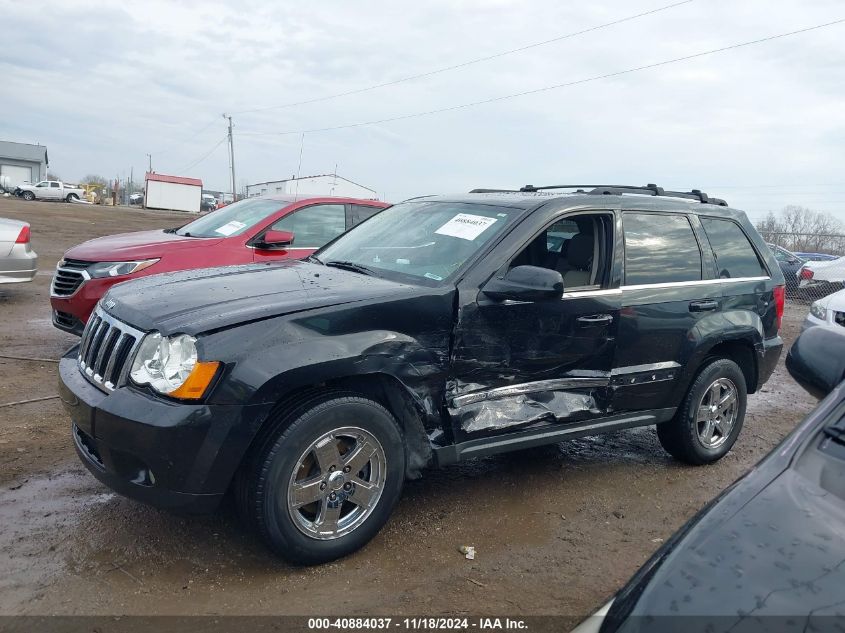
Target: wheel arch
(740, 350)
(383, 388)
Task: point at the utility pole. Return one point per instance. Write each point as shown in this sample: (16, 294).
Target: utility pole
(150, 156)
(232, 158)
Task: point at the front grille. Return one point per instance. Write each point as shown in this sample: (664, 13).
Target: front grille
(106, 348)
(839, 318)
(70, 274)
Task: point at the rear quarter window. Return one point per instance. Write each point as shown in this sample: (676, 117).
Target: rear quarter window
(660, 249)
(735, 256)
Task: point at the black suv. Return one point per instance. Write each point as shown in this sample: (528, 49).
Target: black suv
(442, 329)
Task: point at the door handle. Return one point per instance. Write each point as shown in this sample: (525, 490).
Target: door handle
(703, 306)
(595, 319)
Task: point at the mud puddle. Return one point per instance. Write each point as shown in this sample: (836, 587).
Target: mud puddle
(36, 515)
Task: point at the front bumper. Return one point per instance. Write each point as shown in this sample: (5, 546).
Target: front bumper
(768, 359)
(168, 454)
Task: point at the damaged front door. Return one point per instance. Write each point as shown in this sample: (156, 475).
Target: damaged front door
(524, 354)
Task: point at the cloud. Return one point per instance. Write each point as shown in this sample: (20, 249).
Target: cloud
(103, 84)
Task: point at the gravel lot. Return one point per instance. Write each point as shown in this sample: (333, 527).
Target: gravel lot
(557, 530)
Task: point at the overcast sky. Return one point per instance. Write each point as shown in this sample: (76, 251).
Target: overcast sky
(103, 84)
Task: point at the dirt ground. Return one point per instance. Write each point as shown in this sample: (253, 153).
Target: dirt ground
(557, 530)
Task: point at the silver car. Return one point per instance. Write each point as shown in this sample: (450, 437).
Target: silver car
(18, 262)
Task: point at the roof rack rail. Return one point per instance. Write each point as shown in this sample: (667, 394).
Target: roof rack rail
(610, 190)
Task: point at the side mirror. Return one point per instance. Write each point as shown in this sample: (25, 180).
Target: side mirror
(817, 359)
(275, 239)
(526, 283)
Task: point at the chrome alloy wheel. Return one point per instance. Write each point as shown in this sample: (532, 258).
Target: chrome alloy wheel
(336, 483)
(717, 412)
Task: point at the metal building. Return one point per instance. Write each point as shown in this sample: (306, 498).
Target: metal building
(320, 185)
(22, 162)
(172, 192)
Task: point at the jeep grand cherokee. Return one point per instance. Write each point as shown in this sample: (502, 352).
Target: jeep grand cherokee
(442, 329)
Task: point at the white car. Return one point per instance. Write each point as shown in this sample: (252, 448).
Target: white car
(829, 310)
(821, 277)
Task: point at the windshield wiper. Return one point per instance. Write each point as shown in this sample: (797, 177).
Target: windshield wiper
(346, 265)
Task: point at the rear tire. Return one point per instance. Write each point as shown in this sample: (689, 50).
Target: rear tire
(298, 488)
(71, 197)
(28, 195)
(710, 418)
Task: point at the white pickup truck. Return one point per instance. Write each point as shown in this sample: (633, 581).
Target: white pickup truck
(50, 190)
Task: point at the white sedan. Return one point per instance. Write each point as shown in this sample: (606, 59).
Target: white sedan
(829, 310)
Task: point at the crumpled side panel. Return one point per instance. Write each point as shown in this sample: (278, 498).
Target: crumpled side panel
(523, 410)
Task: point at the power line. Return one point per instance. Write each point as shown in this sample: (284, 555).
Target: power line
(170, 147)
(553, 87)
(467, 63)
(204, 156)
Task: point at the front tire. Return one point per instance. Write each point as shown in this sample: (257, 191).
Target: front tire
(710, 418)
(28, 196)
(325, 480)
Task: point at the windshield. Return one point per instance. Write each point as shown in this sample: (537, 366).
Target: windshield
(232, 220)
(426, 240)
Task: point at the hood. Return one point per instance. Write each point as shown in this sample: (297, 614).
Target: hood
(138, 245)
(782, 554)
(197, 301)
(772, 544)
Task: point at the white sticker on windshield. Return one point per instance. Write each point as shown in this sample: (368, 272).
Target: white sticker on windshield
(230, 227)
(466, 226)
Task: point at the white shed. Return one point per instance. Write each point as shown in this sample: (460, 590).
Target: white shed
(172, 192)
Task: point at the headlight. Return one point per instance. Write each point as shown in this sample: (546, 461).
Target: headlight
(818, 311)
(170, 366)
(115, 269)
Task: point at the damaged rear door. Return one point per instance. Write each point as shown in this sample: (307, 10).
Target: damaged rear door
(521, 360)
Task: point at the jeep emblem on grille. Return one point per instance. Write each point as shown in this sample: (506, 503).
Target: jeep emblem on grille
(109, 303)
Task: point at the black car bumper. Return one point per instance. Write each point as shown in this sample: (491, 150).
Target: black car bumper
(768, 357)
(68, 322)
(168, 454)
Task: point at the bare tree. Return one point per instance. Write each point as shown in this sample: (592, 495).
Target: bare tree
(94, 179)
(53, 176)
(803, 230)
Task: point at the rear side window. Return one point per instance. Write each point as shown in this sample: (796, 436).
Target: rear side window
(735, 257)
(314, 226)
(360, 212)
(660, 249)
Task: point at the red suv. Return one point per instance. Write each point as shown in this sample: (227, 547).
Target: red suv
(252, 230)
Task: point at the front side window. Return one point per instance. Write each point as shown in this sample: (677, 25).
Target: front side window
(660, 248)
(575, 247)
(735, 257)
(232, 220)
(312, 227)
(42, 184)
(419, 240)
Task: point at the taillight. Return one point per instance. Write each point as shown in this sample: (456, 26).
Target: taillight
(779, 293)
(806, 273)
(23, 238)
